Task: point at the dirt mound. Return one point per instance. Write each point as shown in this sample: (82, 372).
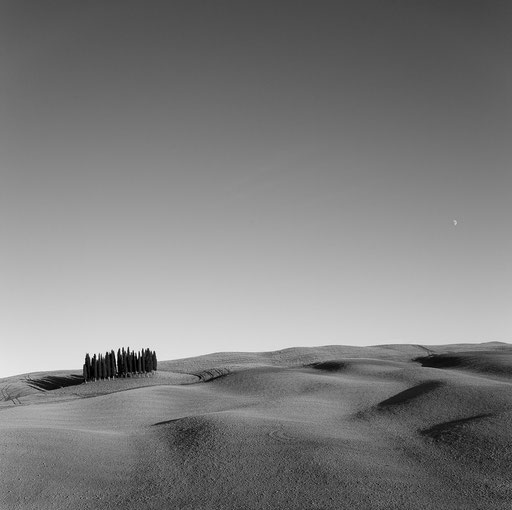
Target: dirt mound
(190, 434)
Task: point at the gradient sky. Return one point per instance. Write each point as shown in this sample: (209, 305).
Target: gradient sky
(202, 176)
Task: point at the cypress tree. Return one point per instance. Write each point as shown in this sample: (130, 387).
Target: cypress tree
(112, 363)
(149, 367)
(124, 363)
(87, 375)
(119, 363)
(106, 373)
(154, 360)
(94, 367)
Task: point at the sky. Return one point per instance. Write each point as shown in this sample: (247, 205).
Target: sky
(204, 176)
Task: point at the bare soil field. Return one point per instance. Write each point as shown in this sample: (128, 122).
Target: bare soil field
(335, 427)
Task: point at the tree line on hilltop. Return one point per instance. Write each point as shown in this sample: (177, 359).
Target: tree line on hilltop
(126, 364)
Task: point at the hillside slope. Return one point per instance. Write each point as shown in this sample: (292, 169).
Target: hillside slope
(327, 427)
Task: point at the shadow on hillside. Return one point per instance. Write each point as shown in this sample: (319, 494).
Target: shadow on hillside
(452, 429)
(410, 394)
(53, 382)
(328, 366)
(440, 361)
(484, 362)
(211, 374)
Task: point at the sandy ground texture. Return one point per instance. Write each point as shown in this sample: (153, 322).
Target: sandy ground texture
(336, 427)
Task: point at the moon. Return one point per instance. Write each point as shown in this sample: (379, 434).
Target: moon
(454, 223)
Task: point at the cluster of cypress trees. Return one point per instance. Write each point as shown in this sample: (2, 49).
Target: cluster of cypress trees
(126, 364)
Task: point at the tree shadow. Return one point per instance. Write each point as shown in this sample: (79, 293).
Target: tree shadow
(53, 382)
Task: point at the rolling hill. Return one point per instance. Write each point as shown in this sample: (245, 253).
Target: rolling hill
(335, 427)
